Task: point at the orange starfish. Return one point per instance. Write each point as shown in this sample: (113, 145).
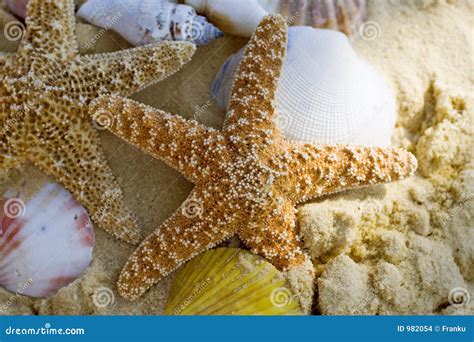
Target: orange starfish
(45, 90)
(247, 178)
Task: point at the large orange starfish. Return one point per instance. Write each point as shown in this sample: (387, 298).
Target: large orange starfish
(247, 178)
(45, 89)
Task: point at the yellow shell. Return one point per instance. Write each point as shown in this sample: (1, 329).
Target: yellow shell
(231, 281)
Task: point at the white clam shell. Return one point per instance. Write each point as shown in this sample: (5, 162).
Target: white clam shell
(145, 22)
(326, 93)
(46, 239)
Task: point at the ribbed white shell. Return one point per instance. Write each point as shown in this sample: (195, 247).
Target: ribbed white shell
(46, 242)
(326, 93)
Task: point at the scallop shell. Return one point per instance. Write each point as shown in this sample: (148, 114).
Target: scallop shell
(326, 93)
(17, 7)
(145, 22)
(241, 17)
(46, 239)
(230, 281)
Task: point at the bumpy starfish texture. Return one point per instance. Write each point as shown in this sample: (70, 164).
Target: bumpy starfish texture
(45, 91)
(247, 178)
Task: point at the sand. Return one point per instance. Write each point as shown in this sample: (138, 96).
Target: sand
(394, 249)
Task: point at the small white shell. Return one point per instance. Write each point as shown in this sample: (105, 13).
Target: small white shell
(46, 239)
(145, 22)
(326, 93)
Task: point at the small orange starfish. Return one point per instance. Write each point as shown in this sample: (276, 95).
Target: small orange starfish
(45, 91)
(248, 178)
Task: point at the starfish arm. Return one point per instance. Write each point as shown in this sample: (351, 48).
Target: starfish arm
(185, 145)
(273, 235)
(199, 224)
(251, 111)
(50, 29)
(319, 170)
(78, 163)
(127, 72)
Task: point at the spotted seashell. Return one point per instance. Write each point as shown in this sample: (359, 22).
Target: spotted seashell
(145, 22)
(46, 238)
(326, 92)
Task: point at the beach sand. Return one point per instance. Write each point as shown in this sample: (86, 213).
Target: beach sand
(393, 249)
